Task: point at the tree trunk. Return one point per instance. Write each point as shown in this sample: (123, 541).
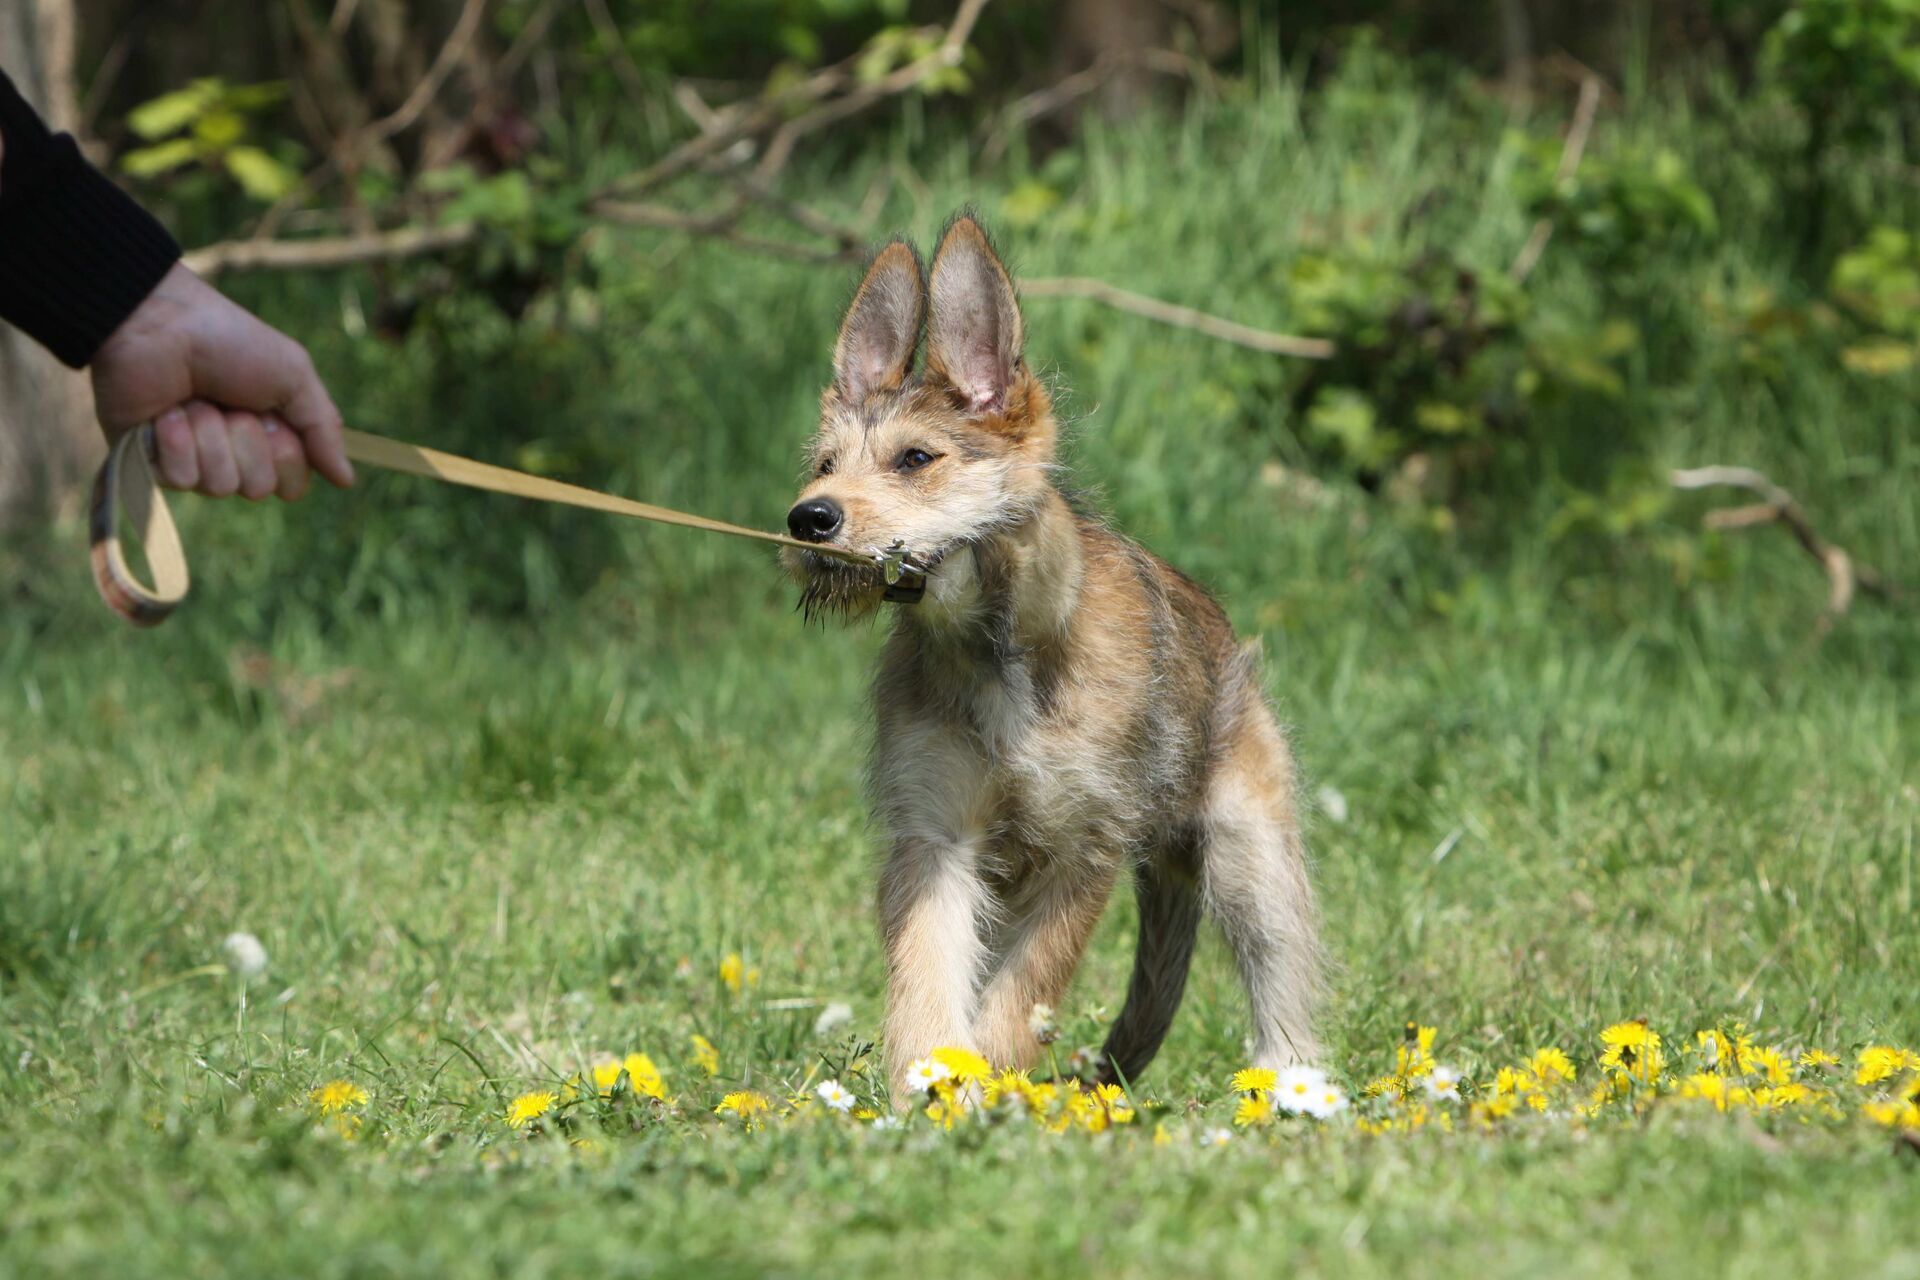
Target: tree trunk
(49, 444)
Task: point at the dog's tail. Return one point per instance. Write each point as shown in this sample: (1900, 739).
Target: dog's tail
(1169, 921)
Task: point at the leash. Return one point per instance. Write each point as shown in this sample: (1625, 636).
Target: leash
(127, 480)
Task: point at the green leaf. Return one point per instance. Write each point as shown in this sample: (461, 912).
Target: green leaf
(259, 174)
(1880, 357)
(219, 129)
(148, 162)
(171, 112)
(1029, 202)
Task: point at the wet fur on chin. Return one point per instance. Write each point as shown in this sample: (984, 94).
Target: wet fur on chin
(834, 589)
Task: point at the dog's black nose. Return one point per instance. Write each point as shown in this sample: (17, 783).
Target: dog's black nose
(815, 520)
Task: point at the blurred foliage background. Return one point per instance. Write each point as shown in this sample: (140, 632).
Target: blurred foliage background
(1558, 249)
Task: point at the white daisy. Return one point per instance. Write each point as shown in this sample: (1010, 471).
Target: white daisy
(924, 1073)
(1442, 1084)
(1216, 1137)
(886, 1122)
(835, 1095)
(1326, 1101)
(1297, 1088)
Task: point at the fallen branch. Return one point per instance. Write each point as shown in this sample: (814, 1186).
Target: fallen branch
(332, 251)
(1280, 344)
(1570, 154)
(1776, 506)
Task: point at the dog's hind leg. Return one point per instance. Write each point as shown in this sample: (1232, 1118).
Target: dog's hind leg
(1169, 901)
(1253, 876)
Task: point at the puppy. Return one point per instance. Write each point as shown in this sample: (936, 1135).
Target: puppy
(1062, 707)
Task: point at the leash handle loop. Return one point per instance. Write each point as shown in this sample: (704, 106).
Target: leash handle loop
(126, 480)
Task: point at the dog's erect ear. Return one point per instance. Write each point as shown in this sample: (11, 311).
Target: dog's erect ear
(882, 326)
(976, 335)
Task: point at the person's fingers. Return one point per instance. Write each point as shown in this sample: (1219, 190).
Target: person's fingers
(289, 458)
(311, 412)
(179, 455)
(219, 474)
(251, 455)
(255, 366)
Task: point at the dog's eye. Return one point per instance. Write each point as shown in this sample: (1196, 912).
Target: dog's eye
(826, 467)
(914, 459)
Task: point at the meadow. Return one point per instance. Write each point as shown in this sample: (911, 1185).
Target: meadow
(507, 794)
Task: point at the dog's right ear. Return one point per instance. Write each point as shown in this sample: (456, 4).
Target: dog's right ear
(882, 327)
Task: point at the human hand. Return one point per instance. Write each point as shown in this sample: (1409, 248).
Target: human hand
(235, 404)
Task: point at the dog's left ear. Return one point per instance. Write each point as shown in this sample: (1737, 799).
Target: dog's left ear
(975, 337)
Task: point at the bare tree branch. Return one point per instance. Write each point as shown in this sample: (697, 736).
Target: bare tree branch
(443, 64)
(1570, 154)
(529, 38)
(1069, 89)
(1280, 344)
(623, 65)
(740, 121)
(1776, 506)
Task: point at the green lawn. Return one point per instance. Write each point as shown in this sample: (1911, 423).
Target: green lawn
(496, 853)
(501, 788)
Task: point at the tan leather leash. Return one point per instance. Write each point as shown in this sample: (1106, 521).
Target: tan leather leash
(127, 480)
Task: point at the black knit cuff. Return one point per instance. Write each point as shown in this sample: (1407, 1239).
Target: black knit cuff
(77, 255)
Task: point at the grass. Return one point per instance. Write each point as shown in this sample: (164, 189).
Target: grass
(499, 789)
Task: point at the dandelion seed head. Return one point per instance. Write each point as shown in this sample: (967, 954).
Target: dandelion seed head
(245, 956)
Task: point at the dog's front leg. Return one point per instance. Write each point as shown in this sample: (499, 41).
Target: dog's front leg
(931, 906)
(1046, 940)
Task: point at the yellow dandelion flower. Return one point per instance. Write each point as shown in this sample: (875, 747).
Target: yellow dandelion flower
(1255, 1080)
(336, 1096)
(735, 973)
(964, 1065)
(946, 1109)
(528, 1107)
(646, 1078)
(1549, 1064)
(705, 1056)
(1771, 1063)
(1894, 1115)
(1633, 1049)
(1489, 1111)
(1879, 1061)
(1088, 1111)
(1256, 1109)
(1382, 1085)
(746, 1104)
(1415, 1051)
(1818, 1060)
(606, 1074)
(1508, 1081)
(1008, 1086)
(1706, 1086)
(1118, 1105)
(1162, 1136)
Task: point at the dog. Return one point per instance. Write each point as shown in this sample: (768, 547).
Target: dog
(1061, 706)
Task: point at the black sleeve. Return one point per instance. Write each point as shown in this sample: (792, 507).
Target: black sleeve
(77, 255)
